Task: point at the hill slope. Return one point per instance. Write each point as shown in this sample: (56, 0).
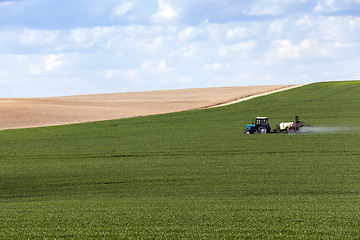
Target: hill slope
(190, 174)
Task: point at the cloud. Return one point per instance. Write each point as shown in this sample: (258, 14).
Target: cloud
(285, 49)
(5, 3)
(336, 5)
(200, 11)
(38, 37)
(54, 14)
(123, 8)
(318, 39)
(325, 5)
(43, 64)
(237, 33)
(53, 62)
(181, 44)
(236, 49)
(190, 34)
(274, 7)
(155, 67)
(168, 11)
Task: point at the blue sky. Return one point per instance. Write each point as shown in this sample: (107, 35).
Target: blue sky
(66, 47)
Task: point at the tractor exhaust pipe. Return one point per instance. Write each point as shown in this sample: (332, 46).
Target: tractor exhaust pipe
(296, 123)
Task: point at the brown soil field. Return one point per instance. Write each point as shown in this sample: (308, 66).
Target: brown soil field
(50, 111)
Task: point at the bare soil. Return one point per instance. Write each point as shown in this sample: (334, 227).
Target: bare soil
(38, 112)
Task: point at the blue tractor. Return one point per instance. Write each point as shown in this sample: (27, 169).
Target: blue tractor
(261, 126)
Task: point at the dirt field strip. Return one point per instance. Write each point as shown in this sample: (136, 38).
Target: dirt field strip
(257, 95)
(38, 112)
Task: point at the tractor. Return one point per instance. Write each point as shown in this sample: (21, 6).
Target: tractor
(261, 126)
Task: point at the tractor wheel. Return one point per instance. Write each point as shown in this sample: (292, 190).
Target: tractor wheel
(291, 130)
(262, 130)
(247, 132)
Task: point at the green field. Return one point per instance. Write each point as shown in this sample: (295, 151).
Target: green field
(190, 175)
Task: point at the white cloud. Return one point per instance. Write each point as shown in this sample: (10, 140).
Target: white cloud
(155, 67)
(271, 7)
(152, 44)
(336, 5)
(166, 12)
(304, 22)
(238, 49)
(123, 8)
(285, 49)
(213, 66)
(6, 3)
(238, 33)
(342, 29)
(172, 53)
(191, 34)
(119, 74)
(38, 37)
(189, 51)
(277, 27)
(325, 5)
(53, 61)
(264, 9)
(43, 64)
(83, 38)
(110, 73)
(79, 35)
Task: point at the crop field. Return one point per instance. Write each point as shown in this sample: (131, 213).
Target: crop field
(190, 175)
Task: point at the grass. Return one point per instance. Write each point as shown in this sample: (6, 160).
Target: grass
(191, 174)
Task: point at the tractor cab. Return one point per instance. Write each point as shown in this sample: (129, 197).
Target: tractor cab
(262, 121)
(261, 126)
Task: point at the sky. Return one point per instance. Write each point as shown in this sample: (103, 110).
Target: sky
(71, 47)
